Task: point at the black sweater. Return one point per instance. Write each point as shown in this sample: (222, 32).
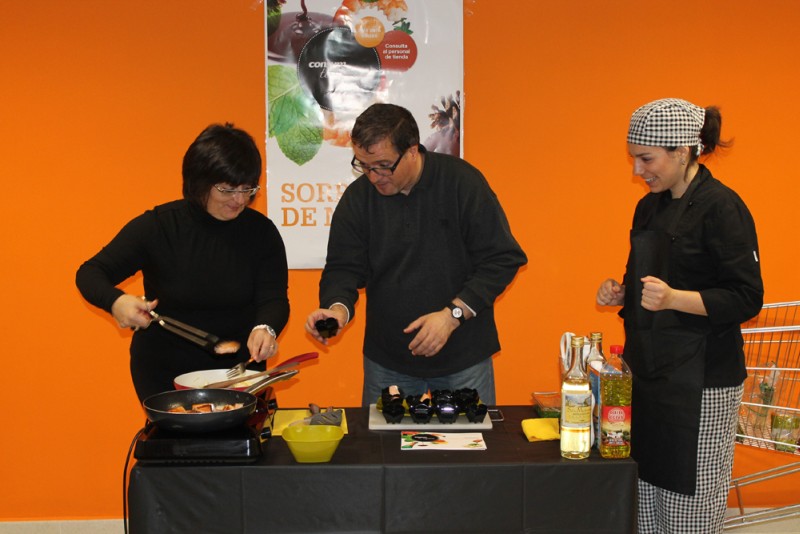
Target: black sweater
(221, 276)
(414, 254)
(715, 251)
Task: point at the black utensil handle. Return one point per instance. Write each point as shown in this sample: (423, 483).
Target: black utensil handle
(211, 338)
(206, 344)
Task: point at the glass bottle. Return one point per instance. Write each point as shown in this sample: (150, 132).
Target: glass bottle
(616, 382)
(576, 407)
(594, 366)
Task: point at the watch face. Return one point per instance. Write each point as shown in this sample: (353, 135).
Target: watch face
(458, 313)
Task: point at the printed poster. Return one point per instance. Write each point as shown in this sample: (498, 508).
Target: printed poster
(327, 61)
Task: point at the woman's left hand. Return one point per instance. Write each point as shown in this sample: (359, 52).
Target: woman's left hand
(261, 345)
(656, 294)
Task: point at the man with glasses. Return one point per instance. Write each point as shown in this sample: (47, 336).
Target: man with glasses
(426, 236)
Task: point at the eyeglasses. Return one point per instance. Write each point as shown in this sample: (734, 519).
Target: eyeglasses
(250, 192)
(381, 171)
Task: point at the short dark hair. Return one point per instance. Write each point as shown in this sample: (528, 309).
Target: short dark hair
(381, 121)
(220, 154)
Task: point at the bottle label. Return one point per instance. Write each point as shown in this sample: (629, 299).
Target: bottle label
(577, 412)
(616, 425)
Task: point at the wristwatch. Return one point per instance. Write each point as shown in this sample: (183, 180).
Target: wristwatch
(268, 328)
(456, 313)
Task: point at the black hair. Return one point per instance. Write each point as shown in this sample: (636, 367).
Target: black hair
(382, 121)
(709, 135)
(220, 154)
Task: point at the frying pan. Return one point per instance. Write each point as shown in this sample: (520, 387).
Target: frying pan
(157, 406)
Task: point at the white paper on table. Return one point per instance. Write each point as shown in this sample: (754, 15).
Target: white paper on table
(451, 441)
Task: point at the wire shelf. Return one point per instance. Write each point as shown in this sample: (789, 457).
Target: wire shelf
(769, 417)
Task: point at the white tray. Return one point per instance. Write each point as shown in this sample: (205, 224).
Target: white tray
(377, 422)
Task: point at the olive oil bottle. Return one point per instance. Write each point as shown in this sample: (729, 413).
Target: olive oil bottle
(576, 407)
(616, 384)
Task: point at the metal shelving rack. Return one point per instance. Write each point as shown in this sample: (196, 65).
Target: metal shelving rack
(769, 417)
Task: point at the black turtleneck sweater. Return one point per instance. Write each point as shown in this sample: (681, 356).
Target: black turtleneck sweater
(223, 277)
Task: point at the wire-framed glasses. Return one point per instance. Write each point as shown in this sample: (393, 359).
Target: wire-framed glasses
(381, 171)
(248, 192)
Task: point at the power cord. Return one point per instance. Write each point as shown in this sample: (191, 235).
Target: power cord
(125, 481)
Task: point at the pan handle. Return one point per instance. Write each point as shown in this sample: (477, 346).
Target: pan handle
(258, 387)
(302, 358)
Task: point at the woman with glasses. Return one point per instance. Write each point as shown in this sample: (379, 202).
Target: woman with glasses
(207, 260)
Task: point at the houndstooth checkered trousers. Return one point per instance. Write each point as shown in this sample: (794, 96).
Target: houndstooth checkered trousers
(669, 122)
(664, 512)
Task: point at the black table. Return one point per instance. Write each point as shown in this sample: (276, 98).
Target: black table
(373, 486)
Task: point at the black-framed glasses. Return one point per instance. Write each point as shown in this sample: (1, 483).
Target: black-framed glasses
(381, 171)
(249, 192)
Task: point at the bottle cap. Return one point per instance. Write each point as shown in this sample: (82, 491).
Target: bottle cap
(616, 349)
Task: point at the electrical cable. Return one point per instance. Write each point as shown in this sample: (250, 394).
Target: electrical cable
(125, 481)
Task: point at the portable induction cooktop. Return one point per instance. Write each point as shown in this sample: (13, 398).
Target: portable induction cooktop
(242, 444)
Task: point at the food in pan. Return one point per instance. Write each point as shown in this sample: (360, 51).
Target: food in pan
(206, 407)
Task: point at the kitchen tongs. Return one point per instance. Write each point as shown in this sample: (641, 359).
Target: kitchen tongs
(188, 332)
(291, 362)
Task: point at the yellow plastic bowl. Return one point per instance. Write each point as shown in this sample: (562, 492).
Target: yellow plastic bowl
(312, 443)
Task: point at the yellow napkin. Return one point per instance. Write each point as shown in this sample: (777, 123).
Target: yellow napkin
(541, 429)
(284, 418)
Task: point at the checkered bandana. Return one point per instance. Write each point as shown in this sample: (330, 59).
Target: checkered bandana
(669, 122)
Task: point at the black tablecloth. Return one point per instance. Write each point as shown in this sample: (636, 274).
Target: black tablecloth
(373, 486)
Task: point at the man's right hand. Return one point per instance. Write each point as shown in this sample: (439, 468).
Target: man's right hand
(337, 312)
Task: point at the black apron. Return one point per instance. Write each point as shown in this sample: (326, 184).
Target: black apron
(667, 358)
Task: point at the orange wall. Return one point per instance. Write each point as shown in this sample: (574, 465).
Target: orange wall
(100, 99)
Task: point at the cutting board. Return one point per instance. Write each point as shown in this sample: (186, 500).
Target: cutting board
(377, 422)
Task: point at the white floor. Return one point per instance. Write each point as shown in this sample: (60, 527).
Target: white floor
(114, 526)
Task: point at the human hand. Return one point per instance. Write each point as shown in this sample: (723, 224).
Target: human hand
(656, 294)
(133, 312)
(261, 345)
(611, 293)
(434, 330)
(337, 312)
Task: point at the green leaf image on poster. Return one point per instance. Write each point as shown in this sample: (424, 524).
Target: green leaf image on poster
(294, 118)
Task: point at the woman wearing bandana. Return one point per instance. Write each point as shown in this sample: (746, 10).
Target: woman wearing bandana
(692, 277)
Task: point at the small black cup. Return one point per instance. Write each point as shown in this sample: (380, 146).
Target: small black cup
(327, 327)
(421, 410)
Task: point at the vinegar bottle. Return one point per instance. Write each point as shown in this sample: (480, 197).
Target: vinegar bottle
(576, 407)
(594, 366)
(616, 383)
